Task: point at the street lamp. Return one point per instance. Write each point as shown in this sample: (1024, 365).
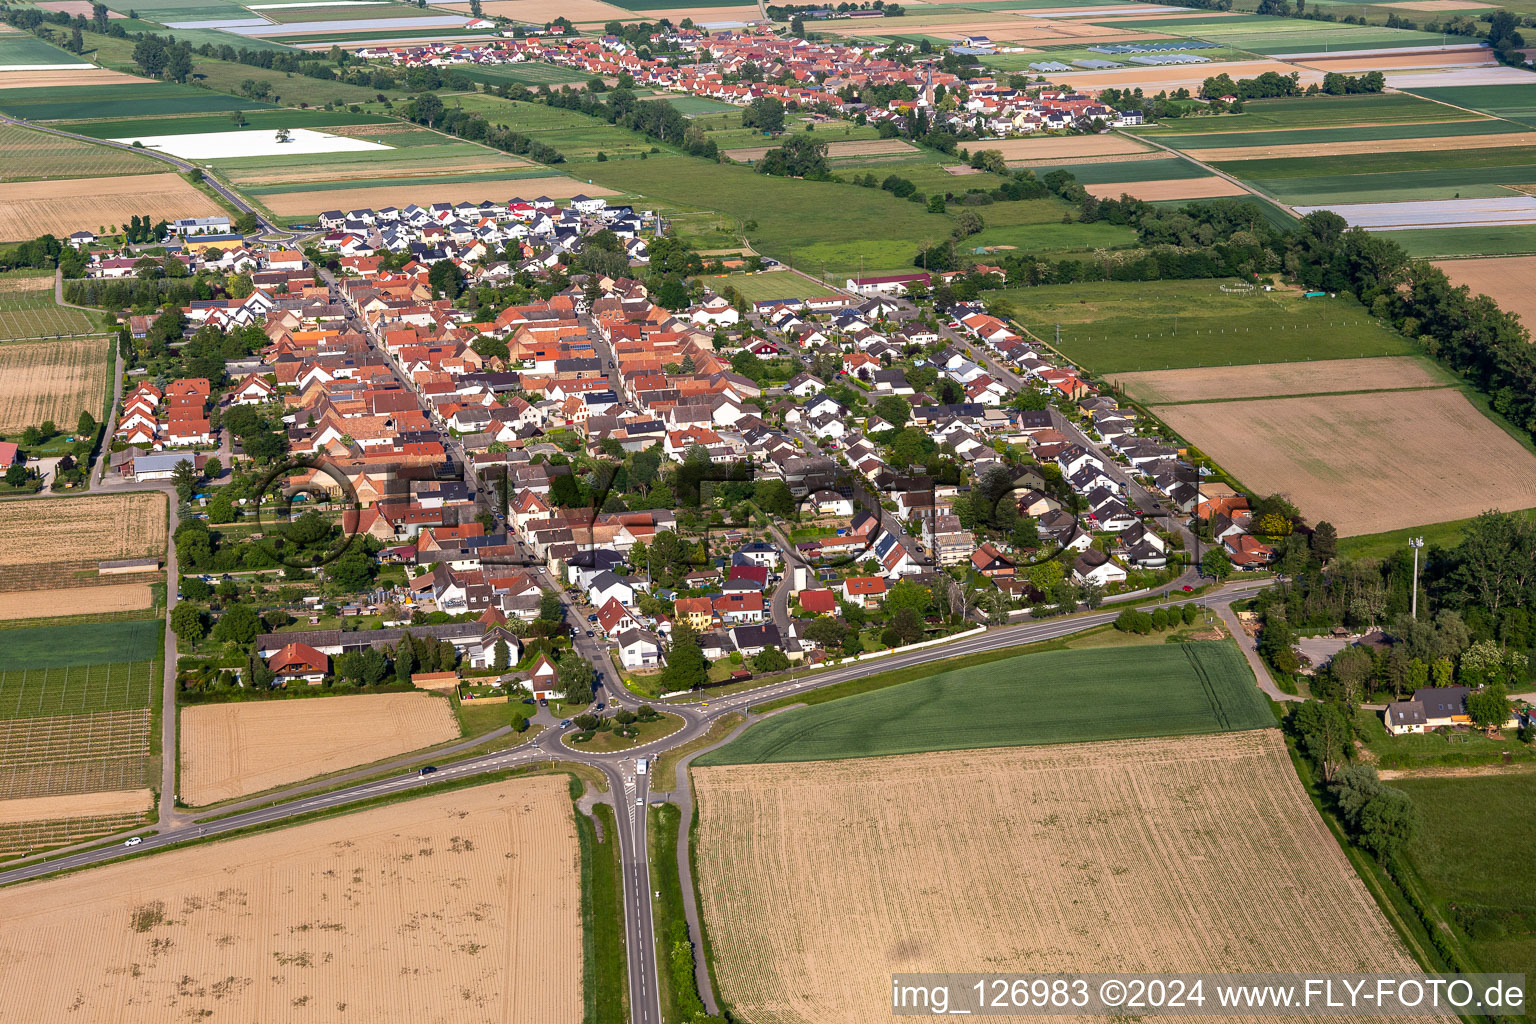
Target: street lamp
(1415, 543)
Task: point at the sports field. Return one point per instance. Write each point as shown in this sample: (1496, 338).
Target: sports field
(1155, 325)
(1271, 380)
(1480, 886)
(1367, 463)
(430, 909)
(778, 284)
(230, 750)
(1054, 697)
(818, 881)
(50, 380)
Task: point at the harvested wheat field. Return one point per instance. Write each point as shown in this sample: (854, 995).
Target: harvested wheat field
(1354, 148)
(1175, 188)
(1354, 63)
(1508, 280)
(299, 204)
(52, 380)
(82, 8)
(230, 750)
(463, 907)
(44, 604)
(58, 536)
(1442, 5)
(1366, 463)
(1062, 147)
(539, 12)
(1177, 76)
(1272, 380)
(266, 176)
(29, 208)
(818, 880)
(85, 74)
(83, 805)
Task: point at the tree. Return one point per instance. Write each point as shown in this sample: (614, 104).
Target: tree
(550, 607)
(16, 476)
(686, 668)
(86, 425)
(446, 279)
(185, 476)
(575, 677)
(213, 467)
(238, 624)
(907, 595)
(771, 660)
(1324, 734)
(353, 571)
(1215, 564)
(893, 409)
(501, 658)
(765, 114)
(908, 627)
(283, 135)
(826, 631)
(1388, 823)
(405, 658)
(1325, 542)
(1489, 707)
(187, 623)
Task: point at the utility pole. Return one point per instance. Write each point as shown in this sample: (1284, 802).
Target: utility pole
(1415, 543)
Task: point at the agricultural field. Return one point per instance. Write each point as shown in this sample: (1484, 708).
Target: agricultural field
(28, 312)
(57, 542)
(1512, 102)
(837, 150)
(230, 750)
(21, 838)
(30, 208)
(333, 915)
(1391, 178)
(1366, 462)
(308, 202)
(1511, 282)
(89, 752)
(1156, 325)
(256, 120)
(132, 97)
(1052, 697)
(1273, 380)
(50, 380)
(39, 665)
(1208, 187)
(56, 602)
(1141, 855)
(28, 154)
(1314, 112)
(17, 49)
(529, 74)
(1478, 886)
(413, 153)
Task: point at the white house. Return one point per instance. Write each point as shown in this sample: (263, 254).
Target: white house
(639, 649)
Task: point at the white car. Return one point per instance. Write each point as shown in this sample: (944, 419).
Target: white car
(135, 841)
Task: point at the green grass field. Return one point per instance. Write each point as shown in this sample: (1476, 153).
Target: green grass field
(1167, 169)
(1269, 35)
(97, 643)
(1054, 697)
(776, 284)
(574, 134)
(1509, 101)
(530, 74)
(80, 102)
(1512, 162)
(28, 49)
(1121, 326)
(196, 124)
(79, 689)
(1473, 856)
(1516, 239)
(1313, 112)
(1357, 133)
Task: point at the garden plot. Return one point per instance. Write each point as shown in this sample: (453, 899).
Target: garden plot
(230, 750)
(464, 906)
(252, 142)
(1437, 213)
(1367, 463)
(819, 880)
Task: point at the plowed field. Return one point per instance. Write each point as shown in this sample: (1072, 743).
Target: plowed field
(30, 208)
(59, 536)
(1193, 854)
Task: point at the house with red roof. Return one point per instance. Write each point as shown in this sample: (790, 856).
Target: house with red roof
(299, 663)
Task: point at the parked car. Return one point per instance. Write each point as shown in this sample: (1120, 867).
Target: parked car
(428, 769)
(590, 633)
(528, 700)
(543, 702)
(1188, 589)
(591, 618)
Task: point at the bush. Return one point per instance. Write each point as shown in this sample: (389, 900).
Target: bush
(1191, 613)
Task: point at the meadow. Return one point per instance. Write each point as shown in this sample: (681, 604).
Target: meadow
(1313, 112)
(28, 49)
(1488, 240)
(1482, 887)
(1157, 325)
(1051, 697)
(818, 881)
(530, 74)
(83, 102)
